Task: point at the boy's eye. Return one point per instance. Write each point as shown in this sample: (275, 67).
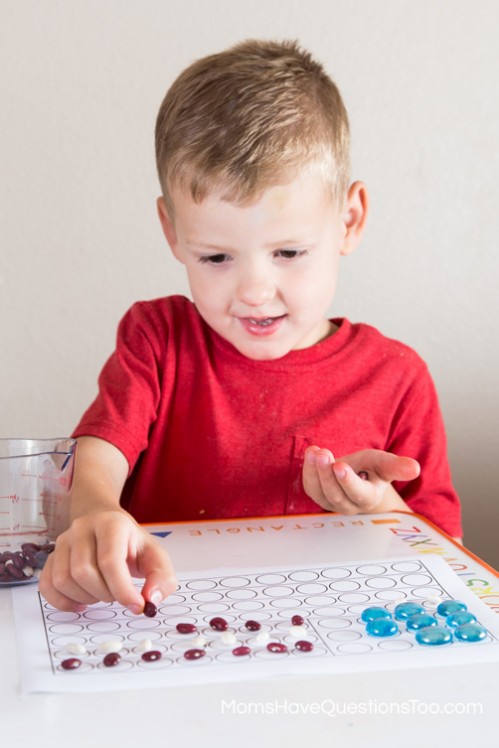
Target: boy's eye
(214, 259)
(290, 254)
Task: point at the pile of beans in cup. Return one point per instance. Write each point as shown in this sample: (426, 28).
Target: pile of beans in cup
(21, 565)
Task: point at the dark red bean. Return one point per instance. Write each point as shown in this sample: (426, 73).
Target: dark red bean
(219, 624)
(111, 659)
(185, 628)
(30, 558)
(304, 646)
(72, 663)
(13, 571)
(150, 609)
(241, 651)
(18, 560)
(277, 647)
(25, 547)
(363, 475)
(47, 547)
(194, 654)
(151, 656)
(297, 620)
(253, 625)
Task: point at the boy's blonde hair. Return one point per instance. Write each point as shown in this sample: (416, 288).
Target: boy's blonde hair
(246, 119)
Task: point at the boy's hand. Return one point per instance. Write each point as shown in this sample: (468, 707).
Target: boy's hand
(95, 559)
(338, 487)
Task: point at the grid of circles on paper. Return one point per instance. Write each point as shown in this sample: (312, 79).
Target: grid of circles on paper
(330, 600)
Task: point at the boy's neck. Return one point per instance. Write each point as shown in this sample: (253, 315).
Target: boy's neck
(332, 328)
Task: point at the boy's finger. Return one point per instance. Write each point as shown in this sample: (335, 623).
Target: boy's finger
(155, 565)
(60, 600)
(363, 494)
(68, 573)
(83, 579)
(390, 467)
(338, 500)
(112, 554)
(311, 481)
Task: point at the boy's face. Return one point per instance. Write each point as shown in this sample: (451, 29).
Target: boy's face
(263, 275)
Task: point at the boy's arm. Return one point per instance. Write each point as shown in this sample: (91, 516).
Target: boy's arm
(104, 546)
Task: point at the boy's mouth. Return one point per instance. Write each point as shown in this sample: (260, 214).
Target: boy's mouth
(264, 321)
(261, 325)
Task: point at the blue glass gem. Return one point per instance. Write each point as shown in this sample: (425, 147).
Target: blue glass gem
(420, 621)
(382, 627)
(450, 606)
(374, 613)
(403, 611)
(434, 636)
(459, 619)
(470, 632)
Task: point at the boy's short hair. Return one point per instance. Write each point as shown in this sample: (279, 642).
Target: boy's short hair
(246, 119)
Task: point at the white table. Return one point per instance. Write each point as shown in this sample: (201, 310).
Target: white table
(390, 708)
(231, 714)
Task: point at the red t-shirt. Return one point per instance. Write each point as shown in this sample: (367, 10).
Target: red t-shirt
(209, 433)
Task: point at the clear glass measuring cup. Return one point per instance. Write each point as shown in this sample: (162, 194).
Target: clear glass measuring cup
(35, 479)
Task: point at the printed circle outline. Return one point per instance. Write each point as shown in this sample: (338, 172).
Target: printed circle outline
(200, 585)
(345, 586)
(269, 579)
(371, 570)
(354, 597)
(234, 582)
(304, 576)
(336, 573)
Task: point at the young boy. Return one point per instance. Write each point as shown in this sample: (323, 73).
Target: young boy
(230, 406)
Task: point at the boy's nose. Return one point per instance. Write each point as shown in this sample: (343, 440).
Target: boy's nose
(256, 291)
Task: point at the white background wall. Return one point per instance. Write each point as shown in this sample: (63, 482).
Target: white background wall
(80, 85)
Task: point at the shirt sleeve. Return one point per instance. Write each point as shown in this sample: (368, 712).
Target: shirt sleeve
(129, 388)
(419, 433)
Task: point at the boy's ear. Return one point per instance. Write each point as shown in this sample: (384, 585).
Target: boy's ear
(168, 226)
(354, 216)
